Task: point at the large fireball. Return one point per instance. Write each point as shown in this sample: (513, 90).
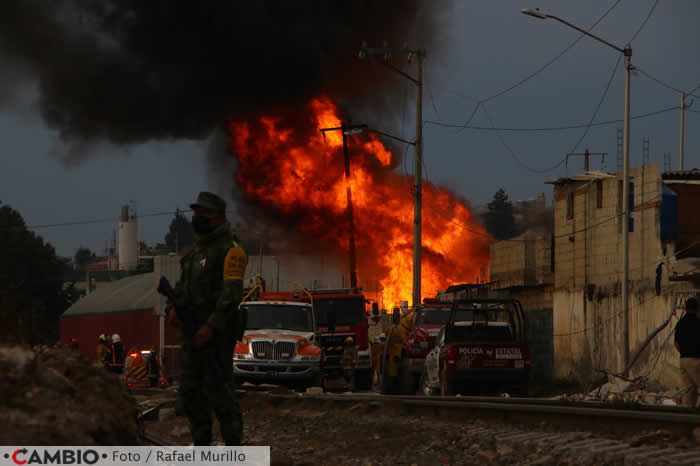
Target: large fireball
(291, 169)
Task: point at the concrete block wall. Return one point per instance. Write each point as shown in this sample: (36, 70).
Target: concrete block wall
(522, 261)
(588, 252)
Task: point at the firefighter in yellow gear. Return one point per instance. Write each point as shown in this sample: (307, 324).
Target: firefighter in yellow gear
(348, 362)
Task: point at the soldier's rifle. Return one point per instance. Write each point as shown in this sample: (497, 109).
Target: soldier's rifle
(189, 325)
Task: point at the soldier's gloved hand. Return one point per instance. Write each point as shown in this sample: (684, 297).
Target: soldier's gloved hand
(203, 335)
(173, 321)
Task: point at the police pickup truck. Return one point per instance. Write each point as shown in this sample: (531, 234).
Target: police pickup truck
(481, 350)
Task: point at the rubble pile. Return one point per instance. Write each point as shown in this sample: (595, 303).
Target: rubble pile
(54, 396)
(639, 390)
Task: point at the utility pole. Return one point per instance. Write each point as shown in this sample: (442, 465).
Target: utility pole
(626, 216)
(418, 55)
(587, 155)
(682, 162)
(627, 53)
(348, 130)
(683, 107)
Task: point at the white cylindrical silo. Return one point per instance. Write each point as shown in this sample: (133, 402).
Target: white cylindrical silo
(128, 240)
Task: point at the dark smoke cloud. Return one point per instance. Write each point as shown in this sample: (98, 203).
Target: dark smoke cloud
(128, 71)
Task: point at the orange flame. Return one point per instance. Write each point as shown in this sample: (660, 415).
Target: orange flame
(303, 177)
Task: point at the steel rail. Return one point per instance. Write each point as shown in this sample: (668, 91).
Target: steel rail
(621, 410)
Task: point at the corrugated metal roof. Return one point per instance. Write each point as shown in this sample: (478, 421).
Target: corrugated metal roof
(693, 174)
(588, 176)
(135, 293)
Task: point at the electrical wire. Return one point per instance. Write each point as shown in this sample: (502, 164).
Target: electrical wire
(514, 155)
(653, 7)
(97, 221)
(555, 128)
(540, 69)
(600, 103)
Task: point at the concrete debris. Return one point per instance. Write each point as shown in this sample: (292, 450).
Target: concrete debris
(54, 396)
(635, 391)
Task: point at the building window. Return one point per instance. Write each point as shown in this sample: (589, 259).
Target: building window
(599, 193)
(570, 206)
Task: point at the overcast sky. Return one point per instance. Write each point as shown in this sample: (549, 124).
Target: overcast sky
(485, 48)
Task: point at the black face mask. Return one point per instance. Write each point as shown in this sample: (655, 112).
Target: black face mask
(201, 224)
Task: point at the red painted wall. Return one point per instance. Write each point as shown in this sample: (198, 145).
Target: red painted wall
(136, 329)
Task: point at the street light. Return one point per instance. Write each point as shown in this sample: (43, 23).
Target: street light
(627, 52)
(683, 96)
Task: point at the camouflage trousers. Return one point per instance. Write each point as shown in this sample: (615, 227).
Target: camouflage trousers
(201, 393)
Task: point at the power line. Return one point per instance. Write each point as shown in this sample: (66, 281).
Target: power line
(97, 221)
(512, 152)
(553, 128)
(653, 7)
(104, 220)
(600, 103)
(663, 83)
(542, 68)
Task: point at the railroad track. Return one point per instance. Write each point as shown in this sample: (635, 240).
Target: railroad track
(594, 416)
(610, 434)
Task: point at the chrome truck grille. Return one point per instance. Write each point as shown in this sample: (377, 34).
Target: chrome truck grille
(274, 351)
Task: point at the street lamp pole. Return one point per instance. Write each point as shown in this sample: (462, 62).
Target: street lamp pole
(627, 52)
(419, 55)
(682, 143)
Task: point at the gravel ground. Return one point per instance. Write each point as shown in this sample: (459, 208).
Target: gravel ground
(379, 434)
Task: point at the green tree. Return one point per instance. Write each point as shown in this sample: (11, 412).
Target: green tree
(83, 256)
(179, 233)
(32, 297)
(499, 220)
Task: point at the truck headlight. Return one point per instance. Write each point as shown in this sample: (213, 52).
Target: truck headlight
(240, 356)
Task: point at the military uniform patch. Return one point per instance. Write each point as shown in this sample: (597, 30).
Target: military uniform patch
(235, 263)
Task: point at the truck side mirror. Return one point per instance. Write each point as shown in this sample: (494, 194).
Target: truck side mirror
(396, 316)
(375, 308)
(331, 321)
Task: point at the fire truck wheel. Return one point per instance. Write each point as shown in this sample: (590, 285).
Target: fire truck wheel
(447, 387)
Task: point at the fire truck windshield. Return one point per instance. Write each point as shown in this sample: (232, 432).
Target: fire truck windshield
(348, 311)
(279, 316)
(435, 316)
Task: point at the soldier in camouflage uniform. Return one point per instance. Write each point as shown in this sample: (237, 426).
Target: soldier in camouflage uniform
(211, 285)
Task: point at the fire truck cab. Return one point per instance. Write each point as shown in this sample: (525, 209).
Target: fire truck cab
(341, 314)
(279, 345)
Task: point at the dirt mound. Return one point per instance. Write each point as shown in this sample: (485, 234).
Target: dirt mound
(54, 396)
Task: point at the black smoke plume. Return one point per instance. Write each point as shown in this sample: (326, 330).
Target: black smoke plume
(129, 71)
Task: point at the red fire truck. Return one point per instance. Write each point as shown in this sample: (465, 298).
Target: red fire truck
(339, 314)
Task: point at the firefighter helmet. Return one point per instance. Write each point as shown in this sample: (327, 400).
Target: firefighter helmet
(349, 341)
(115, 338)
(103, 338)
